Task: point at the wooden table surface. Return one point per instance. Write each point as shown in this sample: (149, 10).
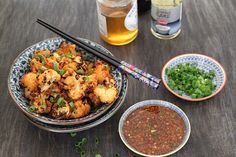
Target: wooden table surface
(209, 27)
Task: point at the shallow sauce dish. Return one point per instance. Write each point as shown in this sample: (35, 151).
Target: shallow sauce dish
(161, 129)
(21, 66)
(204, 63)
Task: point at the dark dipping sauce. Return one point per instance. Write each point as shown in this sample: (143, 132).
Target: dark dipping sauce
(154, 130)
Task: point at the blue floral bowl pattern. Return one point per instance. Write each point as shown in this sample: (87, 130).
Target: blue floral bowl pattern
(203, 62)
(156, 103)
(21, 66)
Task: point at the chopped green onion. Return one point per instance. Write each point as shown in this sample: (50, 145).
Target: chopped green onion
(42, 69)
(42, 59)
(96, 140)
(86, 78)
(188, 79)
(117, 155)
(60, 101)
(72, 105)
(79, 144)
(31, 109)
(61, 71)
(82, 153)
(48, 55)
(80, 71)
(68, 55)
(55, 66)
(84, 140)
(51, 99)
(73, 134)
(98, 155)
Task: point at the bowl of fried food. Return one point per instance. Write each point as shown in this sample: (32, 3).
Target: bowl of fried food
(56, 82)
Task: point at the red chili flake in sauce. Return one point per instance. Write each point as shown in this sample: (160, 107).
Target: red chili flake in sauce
(154, 130)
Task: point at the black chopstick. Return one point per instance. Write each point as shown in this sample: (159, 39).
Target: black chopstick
(132, 70)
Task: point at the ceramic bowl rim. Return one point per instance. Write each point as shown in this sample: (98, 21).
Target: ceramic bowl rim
(188, 98)
(17, 103)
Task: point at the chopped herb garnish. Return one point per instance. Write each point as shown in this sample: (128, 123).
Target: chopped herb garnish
(42, 69)
(117, 155)
(48, 55)
(79, 144)
(60, 101)
(31, 109)
(42, 59)
(69, 55)
(96, 140)
(51, 99)
(61, 71)
(98, 155)
(80, 71)
(72, 105)
(188, 79)
(82, 153)
(86, 78)
(56, 68)
(84, 140)
(73, 134)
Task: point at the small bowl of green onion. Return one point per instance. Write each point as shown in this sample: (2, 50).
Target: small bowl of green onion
(193, 77)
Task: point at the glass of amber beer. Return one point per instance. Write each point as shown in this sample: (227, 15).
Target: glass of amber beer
(118, 21)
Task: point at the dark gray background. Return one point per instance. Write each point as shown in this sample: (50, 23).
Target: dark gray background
(209, 27)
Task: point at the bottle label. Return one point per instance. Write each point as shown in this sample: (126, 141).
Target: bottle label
(166, 21)
(102, 23)
(131, 20)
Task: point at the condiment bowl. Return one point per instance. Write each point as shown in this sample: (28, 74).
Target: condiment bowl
(146, 103)
(203, 62)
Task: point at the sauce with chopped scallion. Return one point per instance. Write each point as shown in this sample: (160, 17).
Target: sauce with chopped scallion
(154, 130)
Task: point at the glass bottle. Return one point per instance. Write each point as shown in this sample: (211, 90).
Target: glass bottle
(166, 18)
(118, 21)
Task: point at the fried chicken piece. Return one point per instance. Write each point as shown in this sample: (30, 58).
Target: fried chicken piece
(30, 81)
(81, 109)
(47, 78)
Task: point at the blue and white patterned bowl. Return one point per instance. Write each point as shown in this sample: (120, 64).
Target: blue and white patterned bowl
(21, 66)
(155, 103)
(203, 62)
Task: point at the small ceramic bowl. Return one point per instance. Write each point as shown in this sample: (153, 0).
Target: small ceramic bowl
(203, 62)
(158, 103)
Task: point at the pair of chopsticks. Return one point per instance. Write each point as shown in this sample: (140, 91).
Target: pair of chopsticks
(146, 78)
